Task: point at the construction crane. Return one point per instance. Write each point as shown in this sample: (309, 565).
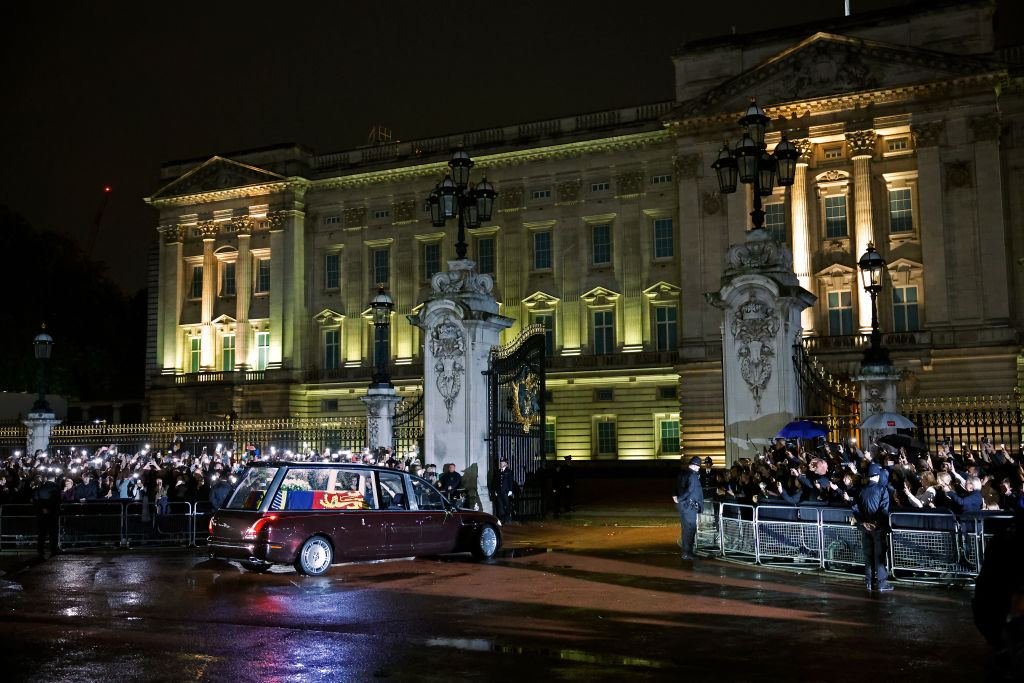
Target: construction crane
(99, 217)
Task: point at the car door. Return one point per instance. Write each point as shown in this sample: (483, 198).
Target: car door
(438, 527)
(402, 526)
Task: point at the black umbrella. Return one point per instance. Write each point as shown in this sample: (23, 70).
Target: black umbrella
(903, 441)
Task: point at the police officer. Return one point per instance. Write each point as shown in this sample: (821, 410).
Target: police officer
(503, 491)
(689, 500)
(871, 512)
(47, 501)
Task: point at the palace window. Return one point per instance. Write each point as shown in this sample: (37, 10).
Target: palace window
(540, 194)
(381, 266)
(840, 312)
(901, 212)
(601, 244)
(900, 144)
(600, 187)
(262, 350)
(668, 436)
(661, 179)
(835, 216)
(905, 314)
(604, 332)
(332, 349)
(775, 221)
(332, 220)
(227, 280)
(227, 353)
(549, 437)
(547, 321)
(430, 259)
(332, 270)
(380, 214)
(606, 442)
(665, 325)
(663, 238)
(195, 354)
(542, 250)
(485, 254)
(262, 275)
(195, 288)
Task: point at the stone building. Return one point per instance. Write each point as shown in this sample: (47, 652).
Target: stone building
(610, 229)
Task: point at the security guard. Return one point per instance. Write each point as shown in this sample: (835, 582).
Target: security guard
(504, 491)
(872, 515)
(47, 501)
(689, 499)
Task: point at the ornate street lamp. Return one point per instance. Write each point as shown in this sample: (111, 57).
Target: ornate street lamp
(872, 266)
(382, 306)
(42, 345)
(750, 162)
(455, 197)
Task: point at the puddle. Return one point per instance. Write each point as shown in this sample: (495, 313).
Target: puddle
(563, 654)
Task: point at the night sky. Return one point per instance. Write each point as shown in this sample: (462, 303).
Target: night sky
(103, 93)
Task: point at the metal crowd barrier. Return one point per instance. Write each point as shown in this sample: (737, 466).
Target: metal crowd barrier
(112, 523)
(923, 545)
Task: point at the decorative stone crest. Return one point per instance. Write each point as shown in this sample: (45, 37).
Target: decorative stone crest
(355, 216)
(172, 234)
(687, 165)
(986, 128)
(276, 220)
(758, 254)
(629, 183)
(208, 230)
(711, 202)
(861, 142)
(926, 134)
(511, 198)
(404, 210)
(569, 191)
(833, 176)
(958, 175)
(754, 326)
(805, 147)
(461, 280)
(243, 225)
(448, 348)
(526, 399)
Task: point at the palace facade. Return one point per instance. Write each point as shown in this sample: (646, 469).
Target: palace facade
(609, 230)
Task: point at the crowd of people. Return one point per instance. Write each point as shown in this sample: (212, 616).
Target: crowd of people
(963, 480)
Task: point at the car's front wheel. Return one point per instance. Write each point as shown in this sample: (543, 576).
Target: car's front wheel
(486, 543)
(315, 556)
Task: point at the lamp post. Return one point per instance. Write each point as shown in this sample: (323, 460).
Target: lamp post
(750, 162)
(872, 265)
(382, 306)
(42, 345)
(455, 197)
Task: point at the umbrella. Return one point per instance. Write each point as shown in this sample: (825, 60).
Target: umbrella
(801, 429)
(887, 421)
(903, 441)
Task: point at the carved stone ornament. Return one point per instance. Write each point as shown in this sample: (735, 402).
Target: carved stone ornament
(526, 398)
(172, 234)
(861, 142)
(687, 165)
(711, 203)
(875, 400)
(986, 128)
(243, 225)
(404, 210)
(462, 280)
(511, 198)
(754, 326)
(221, 174)
(805, 147)
(629, 183)
(927, 134)
(569, 191)
(276, 220)
(355, 216)
(958, 175)
(373, 429)
(824, 69)
(833, 176)
(448, 348)
(208, 230)
(759, 254)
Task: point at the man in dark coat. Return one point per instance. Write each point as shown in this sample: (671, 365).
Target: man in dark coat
(219, 492)
(872, 514)
(87, 490)
(503, 491)
(689, 500)
(47, 501)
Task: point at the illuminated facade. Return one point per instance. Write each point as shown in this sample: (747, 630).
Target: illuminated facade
(610, 230)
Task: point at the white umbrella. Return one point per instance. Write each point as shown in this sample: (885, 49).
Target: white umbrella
(887, 421)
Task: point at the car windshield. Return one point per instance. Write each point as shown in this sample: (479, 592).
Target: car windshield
(250, 490)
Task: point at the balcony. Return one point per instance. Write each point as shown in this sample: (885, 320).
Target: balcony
(859, 342)
(613, 360)
(222, 377)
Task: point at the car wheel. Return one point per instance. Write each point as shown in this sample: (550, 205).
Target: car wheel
(315, 557)
(486, 543)
(255, 567)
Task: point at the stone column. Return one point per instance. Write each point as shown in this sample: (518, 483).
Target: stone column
(932, 222)
(762, 301)
(801, 230)
(461, 325)
(380, 403)
(243, 291)
(877, 395)
(40, 425)
(276, 223)
(992, 250)
(862, 148)
(209, 231)
(170, 294)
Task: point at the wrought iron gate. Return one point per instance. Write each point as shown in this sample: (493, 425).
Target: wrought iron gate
(827, 399)
(408, 426)
(516, 389)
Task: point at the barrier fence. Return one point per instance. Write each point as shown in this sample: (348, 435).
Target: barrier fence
(923, 546)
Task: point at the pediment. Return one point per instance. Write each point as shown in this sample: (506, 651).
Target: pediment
(223, 320)
(826, 65)
(541, 300)
(217, 174)
(599, 296)
(662, 290)
(329, 316)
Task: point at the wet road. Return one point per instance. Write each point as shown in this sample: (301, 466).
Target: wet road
(562, 603)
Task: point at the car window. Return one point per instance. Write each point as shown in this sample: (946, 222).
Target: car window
(392, 491)
(325, 488)
(250, 490)
(426, 496)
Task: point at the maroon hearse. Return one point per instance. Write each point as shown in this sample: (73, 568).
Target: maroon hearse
(312, 515)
